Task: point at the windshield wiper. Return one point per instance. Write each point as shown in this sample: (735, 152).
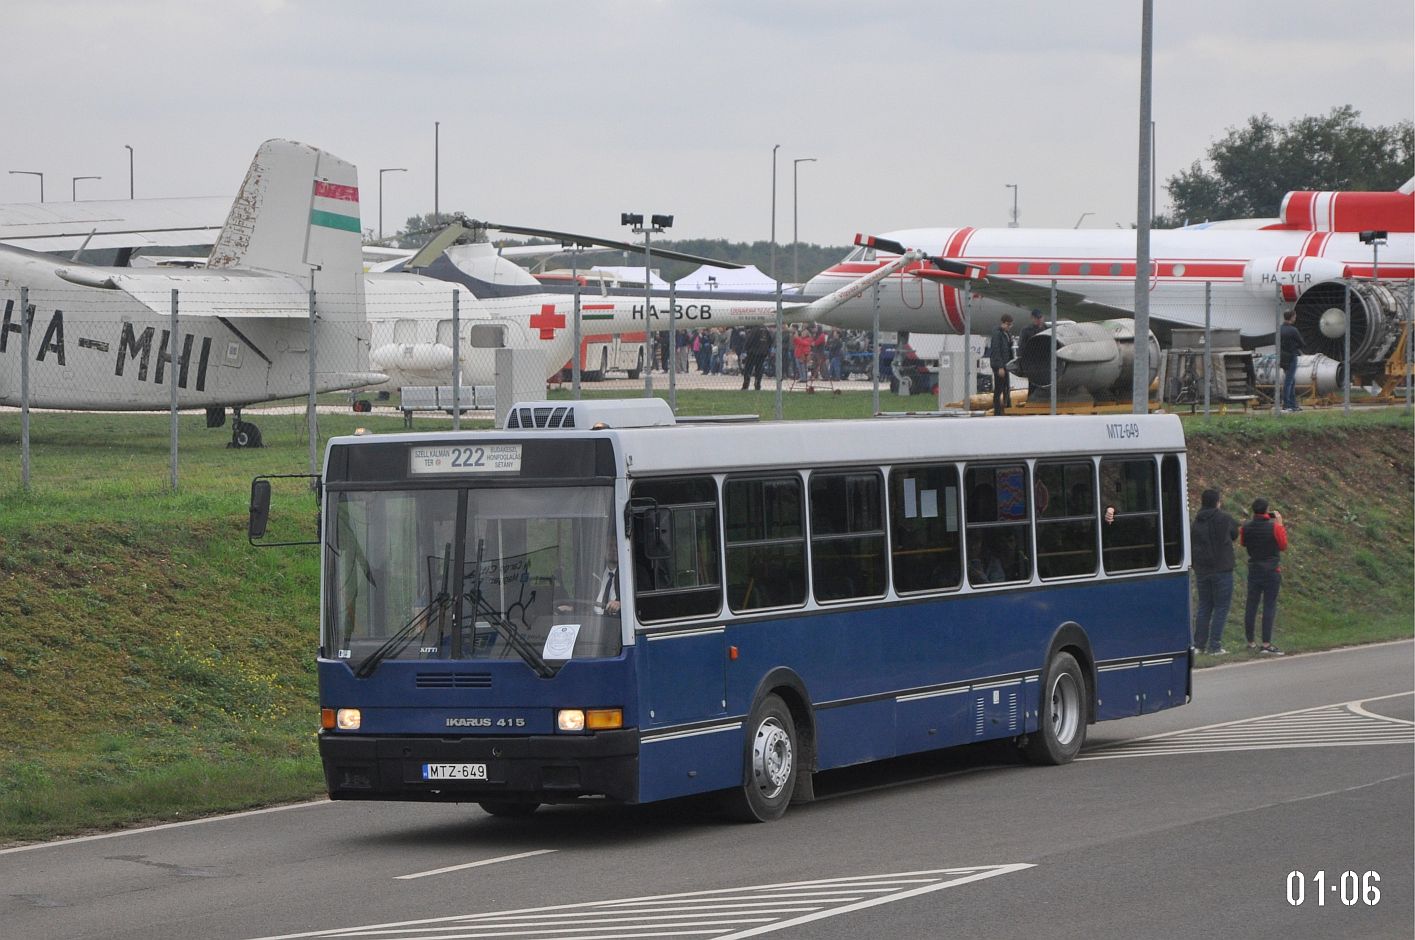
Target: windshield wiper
(396, 643)
(519, 644)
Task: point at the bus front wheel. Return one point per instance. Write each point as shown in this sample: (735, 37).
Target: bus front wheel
(508, 809)
(1061, 726)
(770, 755)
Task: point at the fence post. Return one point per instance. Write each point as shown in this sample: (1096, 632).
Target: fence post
(1208, 344)
(176, 365)
(1052, 357)
(577, 330)
(970, 375)
(874, 344)
(780, 343)
(312, 418)
(670, 356)
(24, 387)
(457, 359)
(1277, 353)
(1346, 354)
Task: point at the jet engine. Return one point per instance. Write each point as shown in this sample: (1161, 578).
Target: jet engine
(1376, 313)
(1316, 372)
(1092, 359)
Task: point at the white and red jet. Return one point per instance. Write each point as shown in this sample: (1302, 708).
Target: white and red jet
(1253, 265)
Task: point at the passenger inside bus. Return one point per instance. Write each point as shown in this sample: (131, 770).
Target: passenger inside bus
(985, 560)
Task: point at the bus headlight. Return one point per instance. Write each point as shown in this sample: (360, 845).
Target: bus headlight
(348, 719)
(589, 719)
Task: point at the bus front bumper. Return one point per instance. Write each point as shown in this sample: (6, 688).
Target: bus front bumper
(537, 768)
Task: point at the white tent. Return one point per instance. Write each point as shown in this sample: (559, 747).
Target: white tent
(708, 277)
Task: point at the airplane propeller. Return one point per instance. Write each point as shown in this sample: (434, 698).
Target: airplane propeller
(944, 266)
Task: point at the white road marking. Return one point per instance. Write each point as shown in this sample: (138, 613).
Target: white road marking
(485, 861)
(172, 825)
(1343, 724)
(723, 913)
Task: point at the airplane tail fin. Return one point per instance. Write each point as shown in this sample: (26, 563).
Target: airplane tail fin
(298, 214)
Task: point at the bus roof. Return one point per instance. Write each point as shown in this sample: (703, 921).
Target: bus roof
(711, 447)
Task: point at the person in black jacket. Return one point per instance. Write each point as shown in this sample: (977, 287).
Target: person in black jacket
(1211, 540)
(1266, 539)
(999, 354)
(1289, 348)
(755, 350)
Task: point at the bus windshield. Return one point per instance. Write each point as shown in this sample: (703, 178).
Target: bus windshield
(531, 574)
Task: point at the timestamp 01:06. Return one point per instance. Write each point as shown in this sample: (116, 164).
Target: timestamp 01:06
(1348, 886)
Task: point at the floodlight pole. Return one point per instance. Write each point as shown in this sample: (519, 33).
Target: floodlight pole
(130, 169)
(655, 223)
(796, 220)
(1140, 386)
(780, 326)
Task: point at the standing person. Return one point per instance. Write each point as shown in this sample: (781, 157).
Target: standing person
(1211, 540)
(1265, 538)
(1037, 325)
(999, 353)
(757, 347)
(1290, 347)
(663, 350)
(801, 352)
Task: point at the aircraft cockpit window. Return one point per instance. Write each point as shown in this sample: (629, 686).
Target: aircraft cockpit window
(857, 255)
(870, 255)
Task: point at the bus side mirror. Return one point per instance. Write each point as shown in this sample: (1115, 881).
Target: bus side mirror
(259, 509)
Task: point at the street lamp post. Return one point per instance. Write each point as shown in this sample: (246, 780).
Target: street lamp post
(657, 223)
(436, 174)
(1082, 219)
(777, 278)
(391, 169)
(1013, 187)
(32, 173)
(795, 221)
(129, 148)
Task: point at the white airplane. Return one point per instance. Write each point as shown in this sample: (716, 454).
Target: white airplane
(100, 336)
(413, 345)
(1253, 265)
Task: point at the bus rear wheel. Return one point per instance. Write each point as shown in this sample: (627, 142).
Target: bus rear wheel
(508, 809)
(1061, 726)
(769, 760)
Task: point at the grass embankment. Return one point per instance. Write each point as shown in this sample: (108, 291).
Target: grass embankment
(153, 665)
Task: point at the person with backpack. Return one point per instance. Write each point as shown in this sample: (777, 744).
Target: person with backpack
(1265, 537)
(1211, 538)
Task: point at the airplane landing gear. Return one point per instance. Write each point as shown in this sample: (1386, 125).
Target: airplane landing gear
(243, 433)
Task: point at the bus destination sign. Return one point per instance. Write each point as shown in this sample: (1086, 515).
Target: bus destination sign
(465, 458)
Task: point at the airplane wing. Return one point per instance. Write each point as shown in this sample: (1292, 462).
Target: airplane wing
(113, 223)
(201, 293)
(1070, 305)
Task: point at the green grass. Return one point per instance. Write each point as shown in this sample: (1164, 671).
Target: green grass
(154, 666)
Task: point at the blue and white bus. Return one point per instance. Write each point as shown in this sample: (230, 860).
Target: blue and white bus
(599, 601)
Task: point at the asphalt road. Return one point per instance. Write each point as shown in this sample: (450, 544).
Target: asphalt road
(1185, 823)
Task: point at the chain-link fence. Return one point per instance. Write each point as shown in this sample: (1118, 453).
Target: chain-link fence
(236, 351)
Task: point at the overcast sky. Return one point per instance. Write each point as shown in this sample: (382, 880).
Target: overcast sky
(564, 114)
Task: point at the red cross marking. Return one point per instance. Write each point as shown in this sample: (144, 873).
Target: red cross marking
(548, 321)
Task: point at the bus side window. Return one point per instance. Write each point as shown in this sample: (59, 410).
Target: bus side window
(1066, 519)
(998, 524)
(766, 542)
(924, 528)
(1131, 542)
(686, 583)
(847, 535)
(1172, 499)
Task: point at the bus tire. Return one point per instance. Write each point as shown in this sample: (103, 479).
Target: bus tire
(1061, 723)
(507, 809)
(770, 755)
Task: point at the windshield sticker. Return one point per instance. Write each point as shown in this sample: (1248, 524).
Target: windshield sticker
(560, 644)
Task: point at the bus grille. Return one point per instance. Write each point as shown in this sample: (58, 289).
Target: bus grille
(557, 417)
(453, 680)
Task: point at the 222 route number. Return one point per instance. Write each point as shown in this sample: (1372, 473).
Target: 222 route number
(466, 458)
(1349, 886)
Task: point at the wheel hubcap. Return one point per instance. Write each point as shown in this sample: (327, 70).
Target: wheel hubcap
(1065, 708)
(771, 758)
